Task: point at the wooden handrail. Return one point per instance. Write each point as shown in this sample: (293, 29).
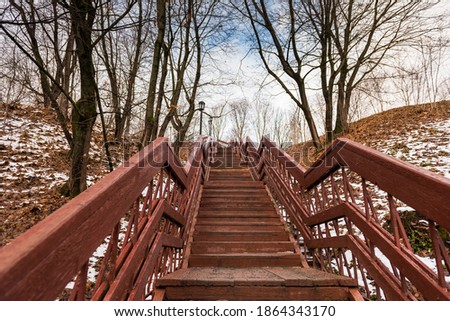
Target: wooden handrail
(427, 192)
(320, 201)
(38, 264)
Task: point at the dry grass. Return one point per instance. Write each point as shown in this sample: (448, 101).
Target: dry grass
(380, 126)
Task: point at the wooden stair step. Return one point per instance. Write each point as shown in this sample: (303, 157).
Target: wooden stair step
(240, 247)
(239, 200)
(255, 283)
(282, 276)
(234, 189)
(238, 210)
(231, 173)
(222, 177)
(238, 228)
(227, 164)
(256, 293)
(233, 184)
(232, 203)
(218, 194)
(228, 170)
(240, 236)
(244, 259)
(228, 213)
(238, 220)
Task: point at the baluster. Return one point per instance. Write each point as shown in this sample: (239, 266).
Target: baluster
(317, 201)
(397, 225)
(325, 201)
(364, 278)
(334, 191)
(148, 199)
(108, 269)
(438, 250)
(79, 290)
(167, 185)
(365, 197)
(346, 264)
(348, 189)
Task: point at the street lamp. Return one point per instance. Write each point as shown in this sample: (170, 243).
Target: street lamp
(201, 107)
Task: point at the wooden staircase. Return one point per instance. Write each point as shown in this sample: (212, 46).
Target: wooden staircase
(241, 249)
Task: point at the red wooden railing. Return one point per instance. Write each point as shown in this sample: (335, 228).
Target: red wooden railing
(116, 239)
(337, 206)
(138, 218)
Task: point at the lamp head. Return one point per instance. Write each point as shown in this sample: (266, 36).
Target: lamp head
(201, 105)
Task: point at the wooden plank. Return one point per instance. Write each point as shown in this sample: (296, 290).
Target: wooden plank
(410, 266)
(244, 260)
(39, 263)
(238, 228)
(244, 221)
(241, 247)
(239, 236)
(402, 180)
(126, 275)
(254, 293)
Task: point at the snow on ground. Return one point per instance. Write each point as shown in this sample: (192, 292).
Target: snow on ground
(27, 147)
(33, 150)
(427, 147)
(34, 165)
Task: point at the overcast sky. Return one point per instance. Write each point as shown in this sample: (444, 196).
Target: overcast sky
(245, 69)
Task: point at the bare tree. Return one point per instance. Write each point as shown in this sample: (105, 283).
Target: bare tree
(122, 53)
(67, 30)
(370, 32)
(239, 119)
(82, 15)
(152, 111)
(191, 28)
(342, 42)
(278, 35)
(31, 22)
(279, 127)
(262, 113)
(218, 120)
(295, 127)
(432, 53)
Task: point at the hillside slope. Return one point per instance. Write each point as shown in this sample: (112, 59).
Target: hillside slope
(34, 165)
(418, 134)
(34, 155)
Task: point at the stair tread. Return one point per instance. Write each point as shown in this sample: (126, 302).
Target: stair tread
(236, 212)
(254, 276)
(214, 247)
(238, 228)
(241, 222)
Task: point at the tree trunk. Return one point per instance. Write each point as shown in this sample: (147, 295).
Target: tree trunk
(83, 116)
(150, 122)
(308, 115)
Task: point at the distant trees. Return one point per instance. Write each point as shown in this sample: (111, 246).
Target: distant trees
(122, 54)
(142, 65)
(240, 117)
(339, 42)
(48, 43)
(54, 36)
(277, 34)
(422, 81)
(186, 31)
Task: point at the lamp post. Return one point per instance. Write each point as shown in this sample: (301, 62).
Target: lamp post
(201, 107)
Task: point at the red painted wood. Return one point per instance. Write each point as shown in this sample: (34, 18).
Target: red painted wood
(51, 253)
